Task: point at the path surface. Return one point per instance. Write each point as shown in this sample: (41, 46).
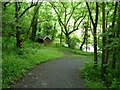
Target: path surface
(58, 73)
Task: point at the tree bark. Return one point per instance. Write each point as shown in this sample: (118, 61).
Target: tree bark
(110, 36)
(68, 40)
(17, 17)
(84, 38)
(34, 22)
(61, 35)
(114, 49)
(82, 42)
(94, 32)
(103, 64)
(18, 40)
(26, 10)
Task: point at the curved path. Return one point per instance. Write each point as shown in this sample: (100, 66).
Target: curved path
(58, 73)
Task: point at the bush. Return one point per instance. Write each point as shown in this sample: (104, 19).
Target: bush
(92, 77)
(73, 42)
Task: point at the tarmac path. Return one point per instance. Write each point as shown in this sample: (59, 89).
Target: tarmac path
(58, 73)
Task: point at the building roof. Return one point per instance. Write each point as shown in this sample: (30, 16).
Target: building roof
(46, 37)
(42, 36)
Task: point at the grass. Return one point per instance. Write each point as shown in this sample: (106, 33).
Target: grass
(85, 56)
(16, 62)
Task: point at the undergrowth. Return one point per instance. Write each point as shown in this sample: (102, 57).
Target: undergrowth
(92, 77)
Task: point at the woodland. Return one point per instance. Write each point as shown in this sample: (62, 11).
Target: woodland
(70, 25)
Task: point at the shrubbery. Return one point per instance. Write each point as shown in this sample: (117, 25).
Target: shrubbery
(92, 77)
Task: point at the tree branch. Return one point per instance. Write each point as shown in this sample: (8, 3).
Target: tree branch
(65, 13)
(73, 8)
(59, 19)
(114, 16)
(62, 28)
(96, 18)
(5, 3)
(90, 14)
(70, 15)
(26, 10)
(75, 29)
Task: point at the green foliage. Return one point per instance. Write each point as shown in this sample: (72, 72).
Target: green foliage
(115, 84)
(92, 77)
(82, 52)
(73, 42)
(90, 54)
(8, 20)
(93, 84)
(17, 61)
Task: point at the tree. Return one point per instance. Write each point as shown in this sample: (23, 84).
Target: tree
(17, 16)
(53, 33)
(103, 73)
(94, 31)
(85, 35)
(114, 36)
(34, 21)
(18, 40)
(67, 17)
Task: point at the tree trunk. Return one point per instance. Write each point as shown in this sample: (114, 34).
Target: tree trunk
(94, 32)
(95, 37)
(54, 32)
(68, 40)
(110, 36)
(87, 32)
(103, 68)
(86, 45)
(114, 36)
(18, 40)
(61, 34)
(82, 42)
(95, 49)
(34, 22)
(8, 39)
(118, 22)
(84, 39)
